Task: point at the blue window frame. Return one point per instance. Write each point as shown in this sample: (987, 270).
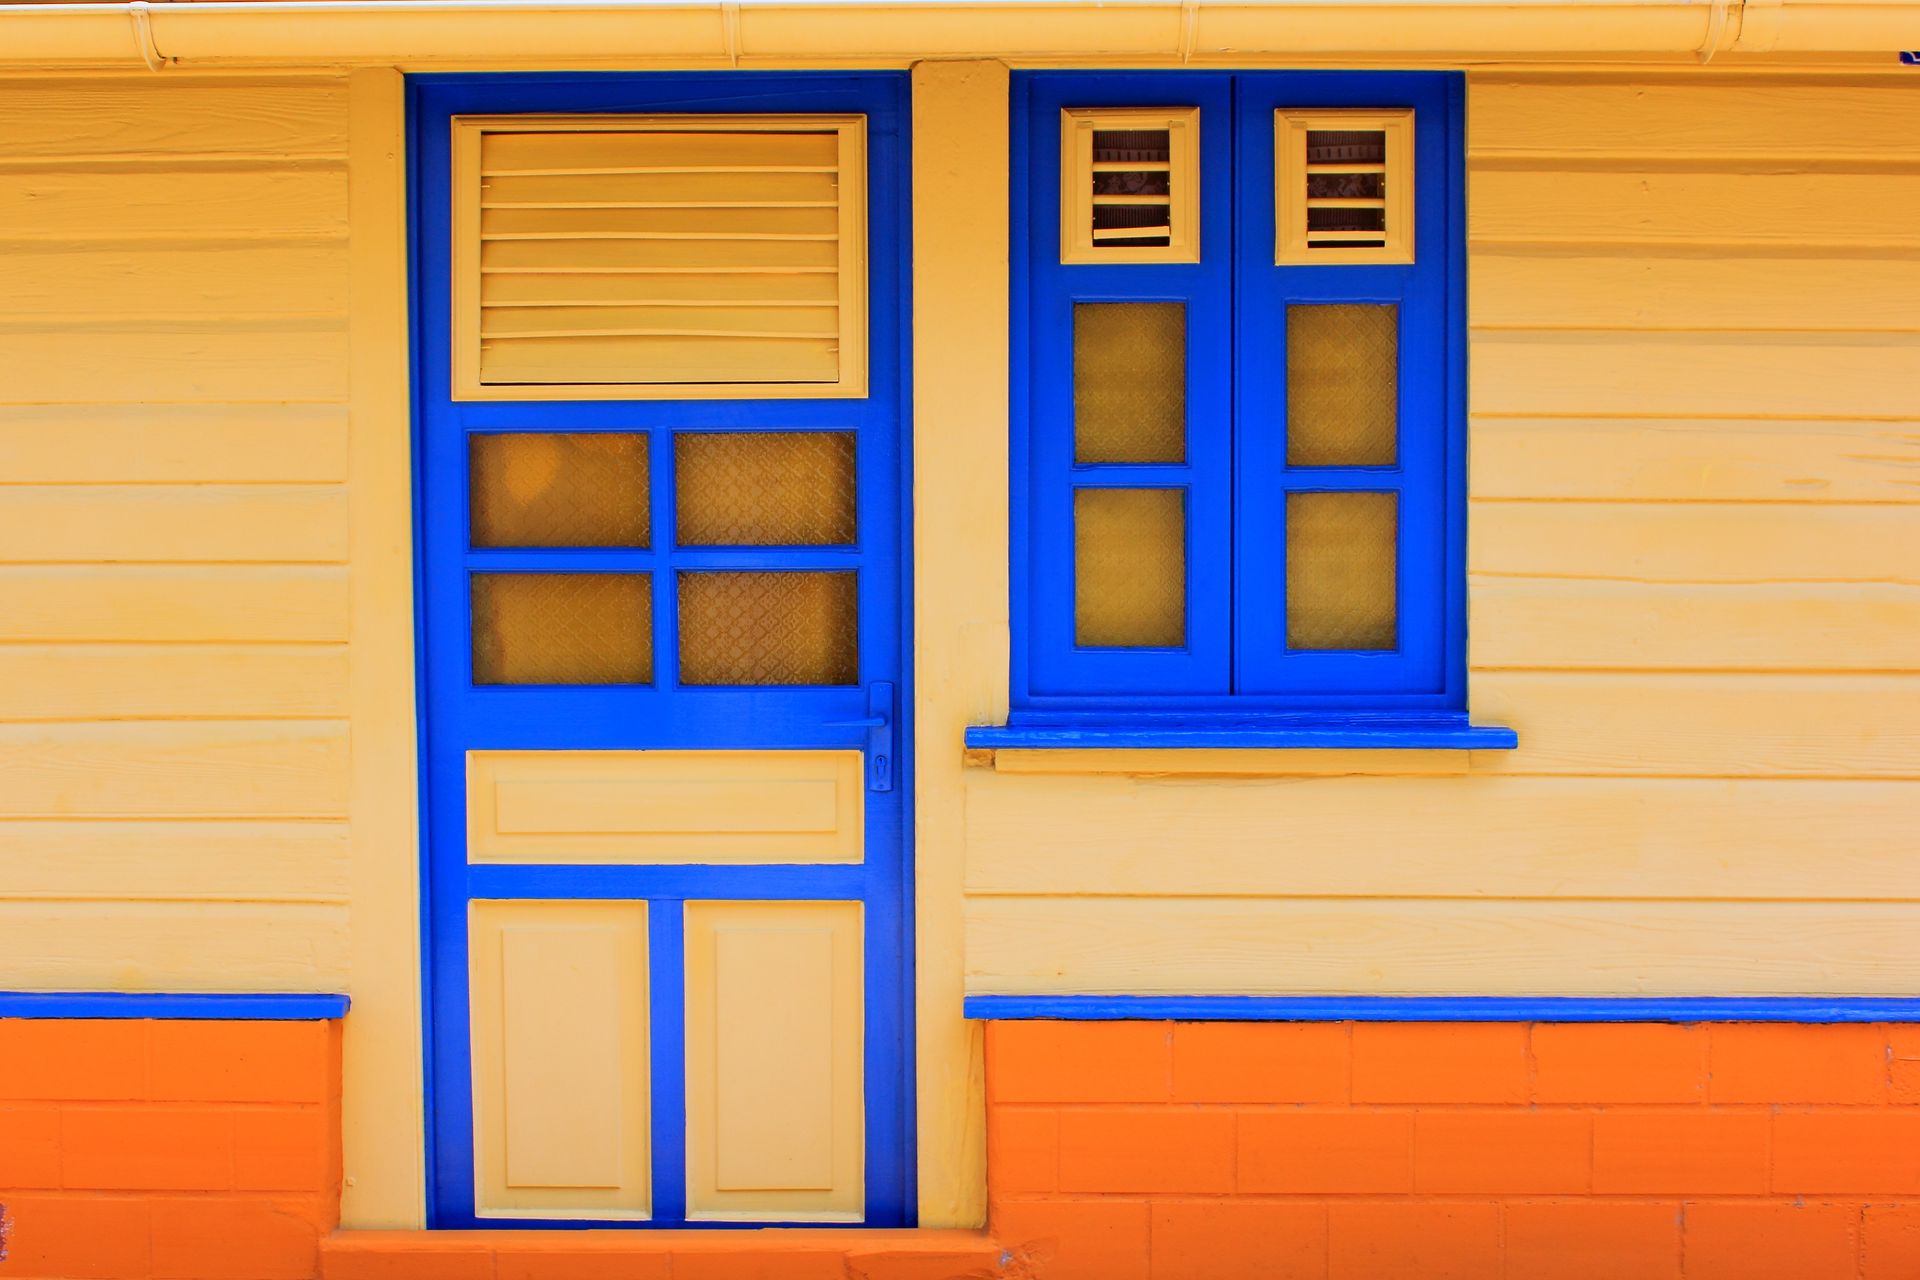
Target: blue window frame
(1234, 664)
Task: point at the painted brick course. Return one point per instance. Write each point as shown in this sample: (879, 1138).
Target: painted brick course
(1501, 1151)
(160, 1150)
(1137, 1151)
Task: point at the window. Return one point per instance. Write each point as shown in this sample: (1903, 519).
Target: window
(1239, 482)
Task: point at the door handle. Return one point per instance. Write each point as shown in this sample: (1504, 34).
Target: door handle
(878, 722)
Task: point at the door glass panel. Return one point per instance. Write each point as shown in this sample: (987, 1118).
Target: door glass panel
(769, 628)
(1340, 570)
(764, 488)
(552, 489)
(1129, 382)
(1343, 386)
(562, 628)
(1130, 567)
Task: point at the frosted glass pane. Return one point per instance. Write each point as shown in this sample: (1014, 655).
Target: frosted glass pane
(1129, 382)
(1343, 388)
(1130, 567)
(769, 628)
(562, 628)
(1340, 570)
(550, 489)
(764, 488)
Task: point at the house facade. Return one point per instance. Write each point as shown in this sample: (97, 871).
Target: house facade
(920, 640)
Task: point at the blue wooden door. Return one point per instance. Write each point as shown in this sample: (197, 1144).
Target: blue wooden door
(665, 704)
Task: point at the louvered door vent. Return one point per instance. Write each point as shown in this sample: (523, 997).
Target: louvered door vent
(1129, 185)
(622, 257)
(1344, 186)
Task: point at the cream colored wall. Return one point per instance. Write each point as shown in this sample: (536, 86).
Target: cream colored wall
(206, 732)
(174, 667)
(1694, 505)
(1695, 592)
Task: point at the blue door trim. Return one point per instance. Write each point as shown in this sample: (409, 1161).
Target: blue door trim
(536, 717)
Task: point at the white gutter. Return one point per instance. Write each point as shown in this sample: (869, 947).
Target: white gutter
(875, 32)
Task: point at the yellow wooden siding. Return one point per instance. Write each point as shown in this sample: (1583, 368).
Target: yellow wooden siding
(174, 674)
(1695, 478)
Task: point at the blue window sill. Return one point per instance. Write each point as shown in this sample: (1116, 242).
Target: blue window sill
(1357, 731)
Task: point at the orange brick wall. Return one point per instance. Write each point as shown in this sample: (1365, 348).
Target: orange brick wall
(1224, 1151)
(168, 1150)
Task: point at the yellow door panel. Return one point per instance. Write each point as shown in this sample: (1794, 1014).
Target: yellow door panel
(665, 806)
(560, 1065)
(775, 1089)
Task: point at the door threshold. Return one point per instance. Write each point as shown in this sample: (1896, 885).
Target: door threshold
(806, 1253)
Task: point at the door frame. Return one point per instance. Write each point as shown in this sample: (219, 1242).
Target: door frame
(885, 97)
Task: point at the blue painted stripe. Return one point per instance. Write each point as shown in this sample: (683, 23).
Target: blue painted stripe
(1448, 1008)
(1437, 734)
(172, 1005)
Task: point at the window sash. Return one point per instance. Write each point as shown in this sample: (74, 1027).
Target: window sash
(1235, 659)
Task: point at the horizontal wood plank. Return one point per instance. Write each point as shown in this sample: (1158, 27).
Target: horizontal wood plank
(267, 203)
(256, 768)
(1713, 375)
(1267, 946)
(182, 860)
(137, 116)
(190, 946)
(201, 603)
(195, 681)
(1822, 120)
(1696, 542)
(1670, 459)
(130, 367)
(168, 283)
(162, 443)
(158, 523)
(1479, 836)
(1702, 724)
(1563, 623)
(1655, 207)
(1693, 291)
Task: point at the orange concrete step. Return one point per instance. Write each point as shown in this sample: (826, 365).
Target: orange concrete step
(771, 1254)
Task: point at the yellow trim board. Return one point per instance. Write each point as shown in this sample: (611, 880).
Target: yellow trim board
(382, 1121)
(960, 315)
(1227, 762)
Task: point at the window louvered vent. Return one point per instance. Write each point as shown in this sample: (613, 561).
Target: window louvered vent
(1129, 186)
(1344, 186)
(1132, 204)
(608, 257)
